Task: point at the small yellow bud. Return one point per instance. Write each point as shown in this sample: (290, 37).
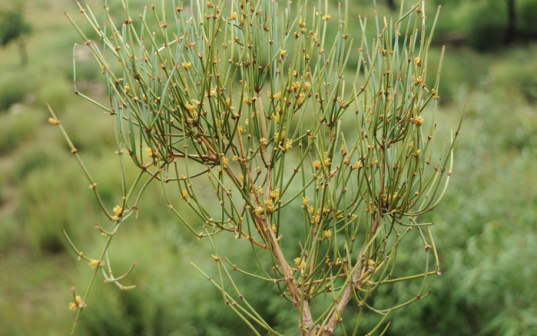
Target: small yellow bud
(357, 165)
(306, 200)
(327, 234)
(327, 162)
(282, 53)
(72, 306)
(225, 160)
(418, 121)
(53, 121)
(275, 193)
(317, 164)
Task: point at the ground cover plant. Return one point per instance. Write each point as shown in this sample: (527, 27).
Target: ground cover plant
(253, 97)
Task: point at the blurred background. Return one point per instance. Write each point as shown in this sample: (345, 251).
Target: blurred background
(485, 229)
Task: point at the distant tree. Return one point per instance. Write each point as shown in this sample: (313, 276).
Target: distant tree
(13, 28)
(510, 32)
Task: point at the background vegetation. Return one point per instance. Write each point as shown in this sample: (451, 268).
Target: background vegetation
(485, 227)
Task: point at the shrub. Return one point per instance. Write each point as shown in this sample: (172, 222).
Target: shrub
(57, 94)
(254, 100)
(14, 86)
(15, 129)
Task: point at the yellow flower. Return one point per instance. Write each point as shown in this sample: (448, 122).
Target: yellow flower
(259, 211)
(269, 206)
(72, 306)
(306, 200)
(327, 162)
(317, 164)
(275, 193)
(53, 121)
(279, 136)
(288, 144)
(326, 17)
(241, 177)
(127, 87)
(418, 61)
(234, 16)
(357, 165)
(93, 263)
(185, 193)
(78, 300)
(186, 65)
(418, 121)
(190, 107)
(301, 99)
(282, 53)
(274, 229)
(235, 158)
(311, 210)
(327, 234)
(307, 86)
(117, 210)
(278, 95)
(297, 261)
(303, 265)
(277, 119)
(225, 160)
